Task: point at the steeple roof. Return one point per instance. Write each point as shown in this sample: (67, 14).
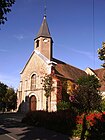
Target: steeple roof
(44, 30)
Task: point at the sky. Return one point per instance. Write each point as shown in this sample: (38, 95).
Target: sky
(77, 28)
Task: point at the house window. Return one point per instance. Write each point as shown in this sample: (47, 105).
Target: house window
(37, 43)
(33, 82)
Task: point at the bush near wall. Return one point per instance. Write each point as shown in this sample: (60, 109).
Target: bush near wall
(103, 104)
(61, 121)
(95, 123)
(97, 129)
(63, 105)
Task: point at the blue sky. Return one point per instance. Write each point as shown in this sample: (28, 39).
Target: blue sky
(71, 27)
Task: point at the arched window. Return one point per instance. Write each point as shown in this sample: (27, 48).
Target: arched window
(33, 82)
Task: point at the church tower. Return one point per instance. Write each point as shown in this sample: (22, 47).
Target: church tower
(43, 41)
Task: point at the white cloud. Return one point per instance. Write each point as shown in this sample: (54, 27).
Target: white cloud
(3, 50)
(87, 54)
(19, 37)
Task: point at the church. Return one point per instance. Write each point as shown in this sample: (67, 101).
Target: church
(30, 94)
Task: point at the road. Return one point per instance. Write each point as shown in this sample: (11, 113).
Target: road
(11, 128)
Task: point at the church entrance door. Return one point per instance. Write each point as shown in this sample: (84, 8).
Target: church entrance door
(33, 103)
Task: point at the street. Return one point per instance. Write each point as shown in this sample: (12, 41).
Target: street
(11, 128)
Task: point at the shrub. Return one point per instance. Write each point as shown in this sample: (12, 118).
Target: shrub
(103, 104)
(61, 121)
(77, 130)
(63, 105)
(95, 123)
(97, 131)
(36, 118)
(90, 118)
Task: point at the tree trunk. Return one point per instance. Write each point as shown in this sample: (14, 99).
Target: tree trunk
(84, 128)
(47, 104)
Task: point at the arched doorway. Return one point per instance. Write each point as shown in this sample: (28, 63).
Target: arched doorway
(32, 103)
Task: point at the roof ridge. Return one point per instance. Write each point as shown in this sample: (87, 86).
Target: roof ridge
(100, 69)
(67, 64)
(42, 56)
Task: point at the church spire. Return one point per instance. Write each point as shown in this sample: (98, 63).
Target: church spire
(44, 30)
(43, 40)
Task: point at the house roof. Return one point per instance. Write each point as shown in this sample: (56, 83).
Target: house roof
(44, 30)
(100, 73)
(68, 71)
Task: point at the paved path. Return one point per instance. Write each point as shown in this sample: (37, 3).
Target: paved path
(11, 128)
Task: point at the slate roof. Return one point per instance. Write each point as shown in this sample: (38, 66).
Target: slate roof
(73, 73)
(44, 29)
(68, 71)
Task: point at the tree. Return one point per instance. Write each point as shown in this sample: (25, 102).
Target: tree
(11, 99)
(5, 6)
(101, 54)
(3, 90)
(87, 98)
(8, 97)
(48, 87)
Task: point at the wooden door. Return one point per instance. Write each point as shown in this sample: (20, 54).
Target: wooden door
(33, 103)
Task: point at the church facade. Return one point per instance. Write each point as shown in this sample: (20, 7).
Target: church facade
(31, 95)
(30, 92)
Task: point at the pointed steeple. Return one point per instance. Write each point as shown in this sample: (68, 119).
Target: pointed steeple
(43, 41)
(44, 30)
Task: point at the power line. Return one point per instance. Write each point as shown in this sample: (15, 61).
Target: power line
(94, 55)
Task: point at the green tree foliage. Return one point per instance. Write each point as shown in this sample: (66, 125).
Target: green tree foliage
(5, 7)
(63, 105)
(48, 87)
(103, 104)
(8, 97)
(87, 98)
(3, 90)
(101, 54)
(11, 99)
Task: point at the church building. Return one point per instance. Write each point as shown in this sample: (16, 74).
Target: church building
(31, 95)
